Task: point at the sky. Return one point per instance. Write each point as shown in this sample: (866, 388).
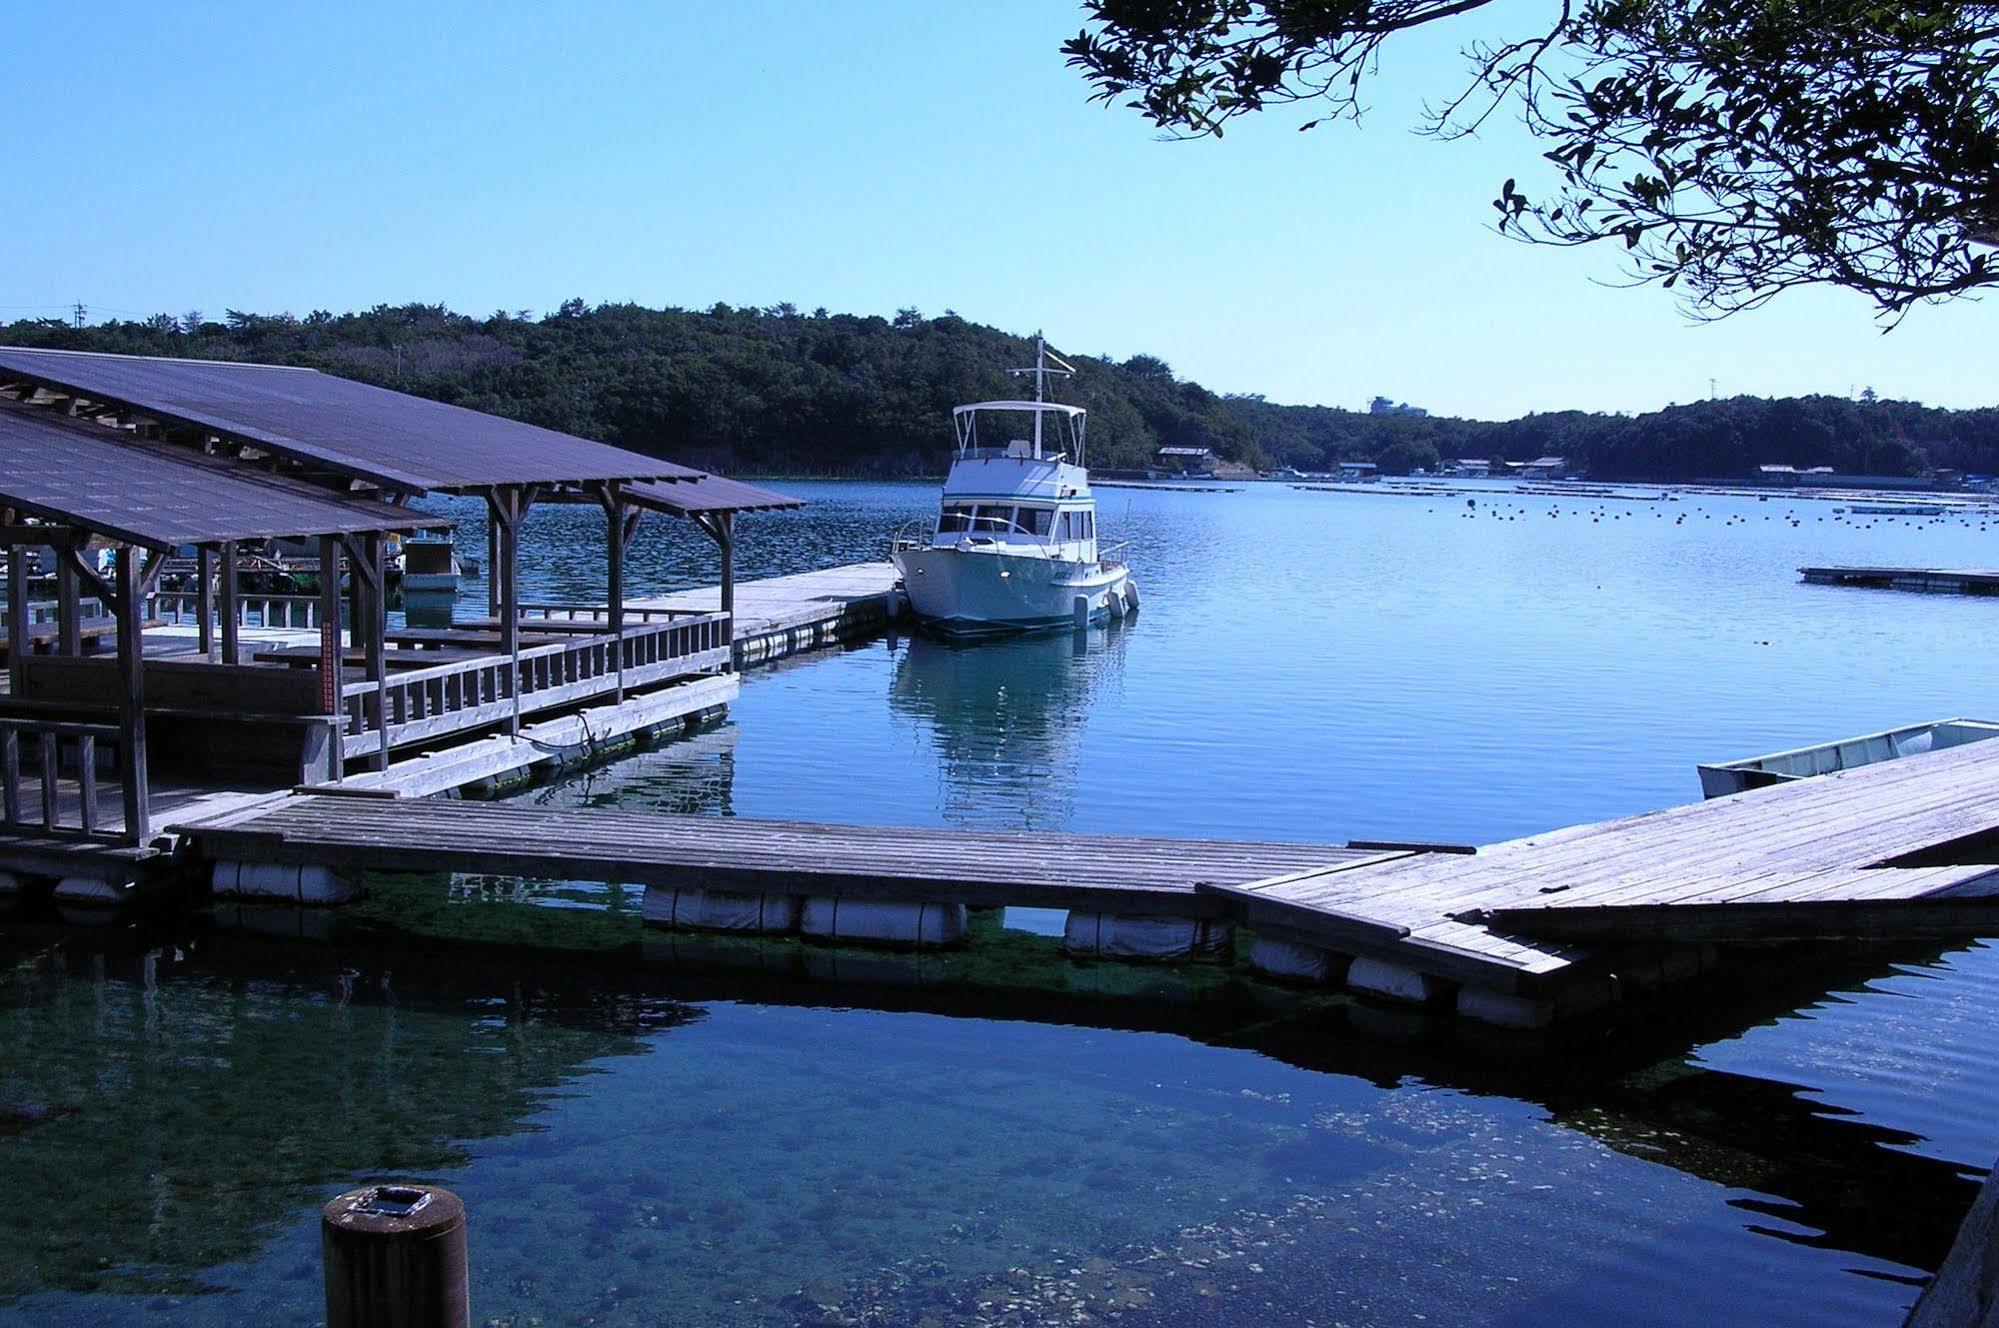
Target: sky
(863, 156)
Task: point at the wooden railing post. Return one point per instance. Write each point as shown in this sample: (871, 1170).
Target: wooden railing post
(132, 697)
(232, 606)
(204, 562)
(17, 616)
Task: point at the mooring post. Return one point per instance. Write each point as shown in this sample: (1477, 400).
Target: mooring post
(394, 1256)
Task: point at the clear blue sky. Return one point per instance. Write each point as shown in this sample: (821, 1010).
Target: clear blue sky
(859, 156)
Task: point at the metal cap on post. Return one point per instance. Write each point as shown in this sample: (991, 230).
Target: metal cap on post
(394, 1257)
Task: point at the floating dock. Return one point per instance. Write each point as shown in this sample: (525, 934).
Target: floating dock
(1924, 580)
(782, 615)
(1523, 933)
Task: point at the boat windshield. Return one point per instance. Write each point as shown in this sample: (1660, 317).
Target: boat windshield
(998, 520)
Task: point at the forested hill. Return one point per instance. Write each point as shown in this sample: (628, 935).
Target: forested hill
(1723, 439)
(776, 391)
(769, 391)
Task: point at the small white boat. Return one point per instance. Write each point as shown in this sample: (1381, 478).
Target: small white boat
(1722, 778)
(1014, 547)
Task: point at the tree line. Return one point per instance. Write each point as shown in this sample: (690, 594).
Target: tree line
(779, 391)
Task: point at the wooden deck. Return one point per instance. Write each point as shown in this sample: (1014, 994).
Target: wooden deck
(1924, 580)
(1102, 872)
(1904, 848)
(1816, 857)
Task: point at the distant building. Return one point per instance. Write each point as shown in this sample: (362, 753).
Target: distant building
(1358, 470)
(1777, 473)
(1540, 468)
(1473, 467)
(1187, 460)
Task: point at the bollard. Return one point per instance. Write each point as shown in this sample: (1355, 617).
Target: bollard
(394, 1257)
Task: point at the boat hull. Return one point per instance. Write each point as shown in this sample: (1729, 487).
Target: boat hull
(976, 592)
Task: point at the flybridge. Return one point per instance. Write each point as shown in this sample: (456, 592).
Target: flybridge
(1068, 420)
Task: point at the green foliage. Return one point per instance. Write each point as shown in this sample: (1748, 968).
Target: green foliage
(775, 391)
(1705, 440)
(744, 390)
(1730, 148)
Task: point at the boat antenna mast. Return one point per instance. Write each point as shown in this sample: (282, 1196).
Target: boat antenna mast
(1042, 355)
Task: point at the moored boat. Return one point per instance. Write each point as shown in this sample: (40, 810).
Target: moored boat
(1015, 546)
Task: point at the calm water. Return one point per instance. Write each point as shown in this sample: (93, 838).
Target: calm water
(660, 1130)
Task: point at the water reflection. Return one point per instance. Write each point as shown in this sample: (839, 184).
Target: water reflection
(1007, 719)
(691, 774)
(181, 1101)
(168, 1107)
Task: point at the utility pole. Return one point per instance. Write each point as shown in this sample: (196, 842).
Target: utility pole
(81, 314)
(1710, 389)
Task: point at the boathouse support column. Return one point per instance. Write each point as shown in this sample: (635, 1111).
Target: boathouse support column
(204, 571)
(331, 656)
(492, 560)
(17, 616)
(232, 606)
(69, 610)
(129, 604)
(721, 527)
(615, 533)
(507, 505)
(370, 620)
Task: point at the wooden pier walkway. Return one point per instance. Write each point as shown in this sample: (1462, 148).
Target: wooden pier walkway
(976, 867)
(1924, 580)
(1522, 931)
(782, 615)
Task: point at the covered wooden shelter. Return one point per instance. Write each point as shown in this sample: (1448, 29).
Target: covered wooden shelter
(365, 438)
(146, 455)
(72, 488)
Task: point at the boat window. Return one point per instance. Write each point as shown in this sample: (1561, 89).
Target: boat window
(954, 519)
(1089, 520)
(1034, 520)
(1067, 530)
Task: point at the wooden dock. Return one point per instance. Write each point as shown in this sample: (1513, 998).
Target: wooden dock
(1160, 877)
(782, 615)
(1522, 932)
(1922, 580)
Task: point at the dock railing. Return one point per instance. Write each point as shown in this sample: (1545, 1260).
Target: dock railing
(598, 613)
(181, 607)
(422, 704)
(53, 754)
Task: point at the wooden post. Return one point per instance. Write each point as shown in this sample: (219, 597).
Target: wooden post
(506, 507)
(232, 606)
(69, 610)
(129, 604)
(394, 1256)
(725, 522)
(377, 628)
(330, 654)
(614, 598)
(17, 616)
(204, 559)
(492, 555)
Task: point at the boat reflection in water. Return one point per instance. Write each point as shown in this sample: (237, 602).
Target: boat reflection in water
(1007, 718)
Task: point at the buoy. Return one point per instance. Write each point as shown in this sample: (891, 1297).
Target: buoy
(394, 1256)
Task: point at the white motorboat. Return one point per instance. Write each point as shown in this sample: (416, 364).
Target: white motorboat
(1014, 547)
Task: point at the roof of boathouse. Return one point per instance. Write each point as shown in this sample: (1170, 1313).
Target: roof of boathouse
(162, 496)
(392, 439)
(708, 493)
